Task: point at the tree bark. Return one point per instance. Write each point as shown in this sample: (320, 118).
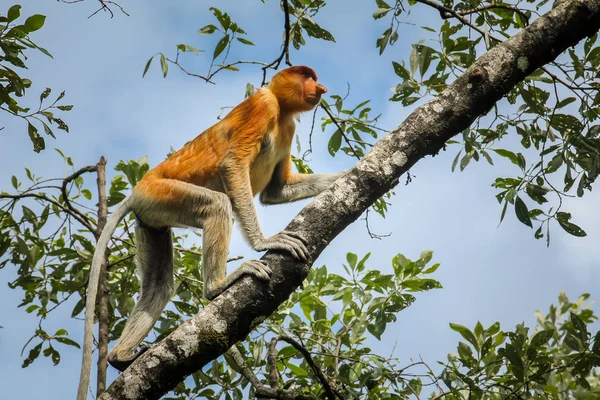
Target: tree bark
(102, 284)
(232, 315)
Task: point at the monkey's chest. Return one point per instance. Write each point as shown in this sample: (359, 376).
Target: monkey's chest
(261, 170)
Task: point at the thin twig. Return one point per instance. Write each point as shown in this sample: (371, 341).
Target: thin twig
(340, 128)
(63, 189)
(329, 390)
(81, 219)
(285, 51)
(263, 391)
(491, 7)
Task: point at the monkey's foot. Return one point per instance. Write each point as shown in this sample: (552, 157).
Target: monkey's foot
(122, 365)
(257, 268)
(291, 242)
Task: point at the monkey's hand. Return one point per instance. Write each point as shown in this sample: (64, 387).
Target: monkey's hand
(288, 241)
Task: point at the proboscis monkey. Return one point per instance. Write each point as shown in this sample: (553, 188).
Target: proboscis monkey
(211, 179)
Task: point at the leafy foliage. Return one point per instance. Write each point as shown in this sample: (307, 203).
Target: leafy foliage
(558, 361)
(554, 111)
(333, 317)
(14, 40)
(47, 231)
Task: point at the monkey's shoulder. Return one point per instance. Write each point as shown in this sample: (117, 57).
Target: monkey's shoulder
(261, 106)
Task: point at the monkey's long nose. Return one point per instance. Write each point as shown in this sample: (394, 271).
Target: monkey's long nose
(321, 89)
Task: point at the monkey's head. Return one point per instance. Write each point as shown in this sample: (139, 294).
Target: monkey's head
(297, 89)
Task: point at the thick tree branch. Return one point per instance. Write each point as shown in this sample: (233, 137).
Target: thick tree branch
(231, 316)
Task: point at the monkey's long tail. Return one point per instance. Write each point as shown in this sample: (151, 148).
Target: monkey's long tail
(86, 360)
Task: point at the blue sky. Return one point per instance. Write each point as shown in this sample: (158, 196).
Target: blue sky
(489, 273)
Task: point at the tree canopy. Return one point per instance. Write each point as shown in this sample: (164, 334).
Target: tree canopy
(486, 81)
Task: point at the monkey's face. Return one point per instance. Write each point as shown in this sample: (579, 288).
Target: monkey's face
(297, 88)
(312, 91)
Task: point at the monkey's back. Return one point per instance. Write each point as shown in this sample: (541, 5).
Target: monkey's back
(250, 125)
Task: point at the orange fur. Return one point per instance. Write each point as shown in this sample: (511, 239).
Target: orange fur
(264, 119)
(204, 185)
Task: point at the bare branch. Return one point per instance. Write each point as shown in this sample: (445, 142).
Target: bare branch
(63, 189)
(262, 391)
(329, 390)
(285, 51)
(102, 296)
(83, 220)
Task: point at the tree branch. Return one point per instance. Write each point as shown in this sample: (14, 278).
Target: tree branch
(262, 391)
(80, 218)
(274, 376)
(102, 296)
(63, 190)
(231, 316)
(285, 51)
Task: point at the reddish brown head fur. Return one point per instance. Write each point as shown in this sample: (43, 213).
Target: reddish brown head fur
(296, 88)
(303, 70)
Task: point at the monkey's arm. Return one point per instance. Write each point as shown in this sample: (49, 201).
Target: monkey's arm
(286, 186)
(235, 173)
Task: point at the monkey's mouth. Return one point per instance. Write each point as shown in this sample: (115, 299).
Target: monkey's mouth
(313, 99)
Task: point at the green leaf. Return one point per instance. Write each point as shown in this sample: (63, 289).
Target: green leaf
(563, 220)
(380, 13)
(352, 260)
(425, 57)
(335, 142)
(522, 212)
(314, 30)
(45, 94)
(465, 333)
(207, 30)
(35, 22)
(13, 13)
(33, 354)
(221, 46)
(38, 141)
(164, 65)
(455, 162)
(580, 326)
(414, 60)
(249, 92)
(147, 66)
(565, 102)
(573, 342)
(61, 332)
(507, 154)
(515, 360)
(542, 337)
(401, 71)
(378, 327)
(296, 370)
(245, 41)
(383, 40)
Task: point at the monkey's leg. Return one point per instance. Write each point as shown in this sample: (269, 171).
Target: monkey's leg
(217, 225)
(166, 202)
(154, 258)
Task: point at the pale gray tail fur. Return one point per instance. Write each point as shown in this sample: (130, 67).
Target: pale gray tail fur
(86, 360)
(154, 253)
